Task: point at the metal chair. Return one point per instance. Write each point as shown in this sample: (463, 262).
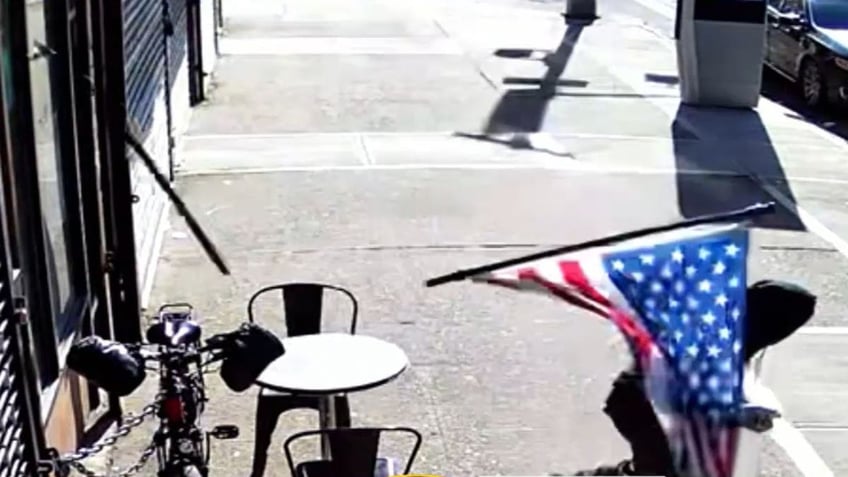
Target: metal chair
(354, 452)
(302, 305)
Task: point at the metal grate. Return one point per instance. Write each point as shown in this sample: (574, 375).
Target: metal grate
(21, 437)
(144, 59)
(144, 54)
(177, 43)
(14, 455)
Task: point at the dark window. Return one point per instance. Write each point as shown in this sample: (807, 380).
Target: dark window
(830, 14)
(786, 6)
(56, 201)
(46, 177)
(735, 11)
(792, 6)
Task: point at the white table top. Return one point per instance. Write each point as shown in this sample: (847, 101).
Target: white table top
(333, 363)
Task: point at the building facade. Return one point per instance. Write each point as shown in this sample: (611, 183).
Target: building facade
(81, 220)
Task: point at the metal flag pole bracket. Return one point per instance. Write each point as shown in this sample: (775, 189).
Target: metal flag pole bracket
(195, 227)
(752, 211)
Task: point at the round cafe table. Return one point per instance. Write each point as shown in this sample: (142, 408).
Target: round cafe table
(330, 364)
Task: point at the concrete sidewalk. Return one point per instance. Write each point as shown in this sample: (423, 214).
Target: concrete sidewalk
(377, 143)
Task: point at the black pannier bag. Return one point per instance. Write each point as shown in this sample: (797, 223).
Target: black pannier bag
(108, 364)
(247, 352)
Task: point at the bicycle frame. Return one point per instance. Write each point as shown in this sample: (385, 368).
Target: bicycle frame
(181, 443)
(179, 440)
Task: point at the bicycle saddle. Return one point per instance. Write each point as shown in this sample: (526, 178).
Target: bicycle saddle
(174, 333)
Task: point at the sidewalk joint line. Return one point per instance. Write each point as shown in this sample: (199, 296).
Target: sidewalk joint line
(821, 427)
(367, 159)
(449, 134)
(823, 330)
(441, 28)
(576, 167)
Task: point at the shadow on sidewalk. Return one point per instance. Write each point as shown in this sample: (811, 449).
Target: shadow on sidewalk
(720, 156)
(521, 112)
(518, 110)
(784, 92)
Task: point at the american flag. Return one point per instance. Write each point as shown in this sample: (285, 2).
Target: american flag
(679, 300)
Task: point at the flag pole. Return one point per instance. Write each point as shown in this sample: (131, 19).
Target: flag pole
(755, 210)
(195, 227)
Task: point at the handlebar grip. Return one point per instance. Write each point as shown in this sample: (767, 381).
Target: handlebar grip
(219, 341)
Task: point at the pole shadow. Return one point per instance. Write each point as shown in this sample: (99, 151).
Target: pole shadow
(521, 111)
(617, 95)
(522, 53)
(512, 80)
(518, 141)
(558, 60)
(669, 80)
(721, 156)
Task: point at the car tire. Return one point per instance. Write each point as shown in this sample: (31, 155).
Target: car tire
(812, 85)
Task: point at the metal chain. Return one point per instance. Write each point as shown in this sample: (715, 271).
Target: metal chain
(128, 424)
(129, 471)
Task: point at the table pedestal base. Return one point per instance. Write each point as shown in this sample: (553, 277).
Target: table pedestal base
(327, 417)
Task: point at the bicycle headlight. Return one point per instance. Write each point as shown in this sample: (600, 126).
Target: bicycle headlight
(186, 446)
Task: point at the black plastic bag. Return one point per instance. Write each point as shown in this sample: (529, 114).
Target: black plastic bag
(108, 364)
(247, 352)
(775, 310)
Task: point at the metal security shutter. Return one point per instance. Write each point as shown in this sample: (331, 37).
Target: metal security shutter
(144, 59)
(17, 440)
(148, 106)
(177, 43)
(13, 452)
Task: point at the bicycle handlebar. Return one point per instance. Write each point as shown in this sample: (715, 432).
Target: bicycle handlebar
(212, 344)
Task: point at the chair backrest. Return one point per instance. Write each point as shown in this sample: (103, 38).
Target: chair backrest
(354, 450)
(302, 305)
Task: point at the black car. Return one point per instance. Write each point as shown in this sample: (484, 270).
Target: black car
(807, 41)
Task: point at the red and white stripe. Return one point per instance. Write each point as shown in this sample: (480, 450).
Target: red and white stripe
(582, 280)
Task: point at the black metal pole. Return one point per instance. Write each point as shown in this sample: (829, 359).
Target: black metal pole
(167, 33)
(737, 215)
(108, 22)
(163, 182)
(219, 25)
(194, 47)
(90, 195)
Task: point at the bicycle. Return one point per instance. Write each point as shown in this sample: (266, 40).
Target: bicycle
(180, 444)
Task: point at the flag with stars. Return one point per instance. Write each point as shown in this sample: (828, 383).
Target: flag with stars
(678, 298)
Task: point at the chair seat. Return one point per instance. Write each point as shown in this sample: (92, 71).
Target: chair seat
(385, 467)
(271, 392)
(315, 468)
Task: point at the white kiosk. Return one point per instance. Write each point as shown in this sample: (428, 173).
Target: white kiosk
(720, 48)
